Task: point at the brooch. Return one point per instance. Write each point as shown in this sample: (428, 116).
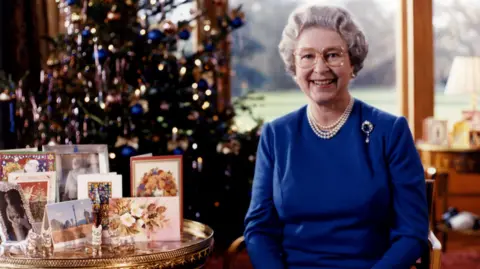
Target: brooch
(367, 128)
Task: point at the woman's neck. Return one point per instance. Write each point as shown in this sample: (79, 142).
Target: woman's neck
(329, 113)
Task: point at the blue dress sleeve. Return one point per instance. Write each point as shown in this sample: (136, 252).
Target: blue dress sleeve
(263, 229)
(409, 231)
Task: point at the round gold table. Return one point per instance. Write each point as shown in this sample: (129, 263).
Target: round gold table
(191, 252)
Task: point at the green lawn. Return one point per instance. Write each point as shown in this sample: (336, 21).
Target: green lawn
(277, 104)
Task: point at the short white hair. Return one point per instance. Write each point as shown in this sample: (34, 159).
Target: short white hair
(329, 17)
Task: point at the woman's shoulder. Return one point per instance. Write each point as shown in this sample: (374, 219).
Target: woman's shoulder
(378, 117)
(288, 120)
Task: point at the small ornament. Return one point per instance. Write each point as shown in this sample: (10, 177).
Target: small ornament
(100, 54)
(155, 35)
(367, 128)
(236, 18)
(71, 2)
(202, 84)
(168, 27)
(136, 109)
(122, 141)
(47, 243)
(34, 243)
(128, 151)
(184, 34)
(97, 236)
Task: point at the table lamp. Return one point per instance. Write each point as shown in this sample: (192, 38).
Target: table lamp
(464, 78)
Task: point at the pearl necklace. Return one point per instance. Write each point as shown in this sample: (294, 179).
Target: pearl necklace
(331, 130)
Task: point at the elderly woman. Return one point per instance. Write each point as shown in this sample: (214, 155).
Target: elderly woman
(338, 183)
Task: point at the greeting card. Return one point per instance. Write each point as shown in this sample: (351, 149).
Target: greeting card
(146, 218)
(38, 188)
(26, 162)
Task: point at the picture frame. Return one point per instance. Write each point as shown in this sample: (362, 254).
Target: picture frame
(26, 162)
(74, 160)
(166, 170)
(69, 222)
(39, 189)
(15, 216)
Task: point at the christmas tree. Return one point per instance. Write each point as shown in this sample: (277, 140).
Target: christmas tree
(121, 75)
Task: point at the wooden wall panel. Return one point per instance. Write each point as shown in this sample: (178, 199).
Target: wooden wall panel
(415, 62)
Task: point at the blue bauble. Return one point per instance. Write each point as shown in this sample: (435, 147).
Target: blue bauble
(136, 109)
(155, 35)
(209, 47)
(71, 2)
(85, 33)
(178, 151)
(184, 34)
(237, 22)
(127, 151)
(202, 84)
(101, 55)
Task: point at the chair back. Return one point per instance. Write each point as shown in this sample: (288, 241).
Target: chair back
(430, 199)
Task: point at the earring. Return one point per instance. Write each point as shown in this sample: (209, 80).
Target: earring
(353, 75)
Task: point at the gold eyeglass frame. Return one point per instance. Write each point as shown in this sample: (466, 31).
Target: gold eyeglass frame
(321, 53)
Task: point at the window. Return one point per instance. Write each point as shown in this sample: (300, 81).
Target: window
(456, 33)
(256, 63)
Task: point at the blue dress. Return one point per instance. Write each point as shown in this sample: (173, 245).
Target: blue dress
(341, 202)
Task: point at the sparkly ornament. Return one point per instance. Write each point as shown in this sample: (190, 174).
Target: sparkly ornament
(155, 35)
(184, 34)
(209, 47)
(122, 141)
(202, 84)
(71, 2)
(168, 27)
(100, 55)
(236, 18)
(237, 22)
(86, 33)
(136, 109)
(178, 151)
(128, 151)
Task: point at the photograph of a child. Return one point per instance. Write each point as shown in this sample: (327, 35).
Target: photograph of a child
(72, 166)
(14, 215)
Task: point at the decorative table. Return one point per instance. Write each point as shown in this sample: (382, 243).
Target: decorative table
(191, 252)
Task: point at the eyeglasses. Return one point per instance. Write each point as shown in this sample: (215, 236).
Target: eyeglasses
(308, 57)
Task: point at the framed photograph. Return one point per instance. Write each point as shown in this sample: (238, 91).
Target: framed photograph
(26, 162)
(100, 188)
(70, 222)
(38, 189)
(146, 218)
(74, 160)
(16, 219)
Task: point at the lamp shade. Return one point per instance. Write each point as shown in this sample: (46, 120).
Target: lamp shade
(464, 77)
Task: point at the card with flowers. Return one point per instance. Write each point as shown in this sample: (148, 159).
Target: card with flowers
(145, 218)
(156, 176)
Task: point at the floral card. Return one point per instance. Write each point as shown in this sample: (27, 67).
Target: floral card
(156, 176)
(99, 188)
(70, 222)
(26, 162)
(146, 218)
(38, 189)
